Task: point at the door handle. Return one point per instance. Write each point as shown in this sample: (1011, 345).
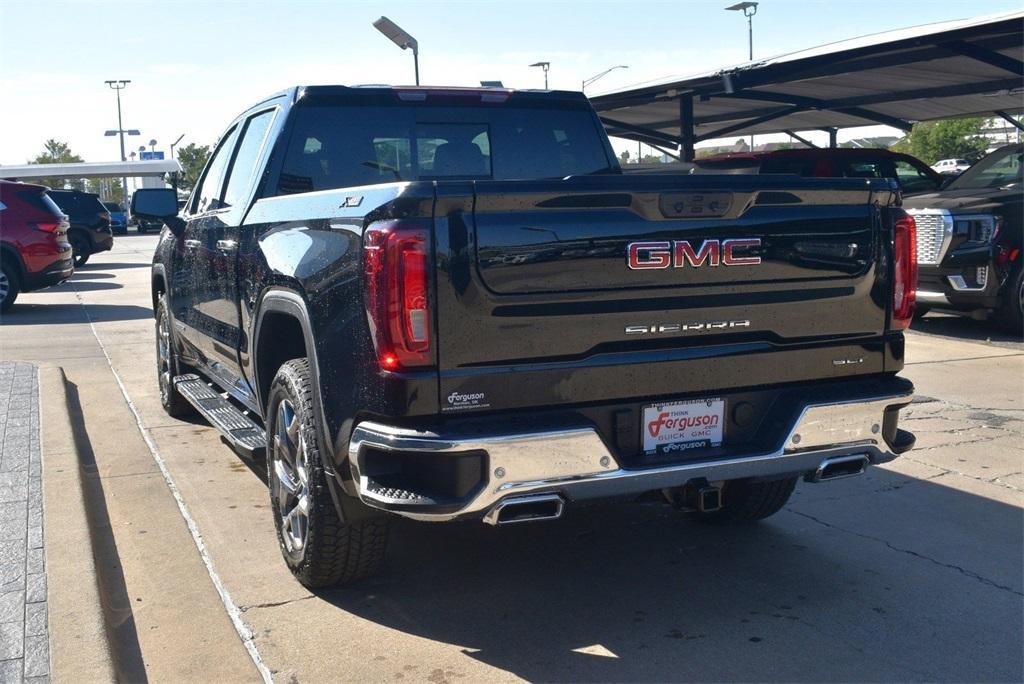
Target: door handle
(193, 244)
(227, 245)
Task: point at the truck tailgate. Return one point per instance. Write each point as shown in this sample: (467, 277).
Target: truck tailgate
(603, 288)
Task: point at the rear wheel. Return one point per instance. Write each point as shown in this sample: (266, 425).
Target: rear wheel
(80, 248)
(319, 547)
(10, 286)
(746, 501)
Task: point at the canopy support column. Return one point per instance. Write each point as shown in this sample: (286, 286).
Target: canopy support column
(1010, 119)
(686, 135)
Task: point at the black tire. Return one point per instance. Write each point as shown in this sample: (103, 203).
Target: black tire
(81, 248)
(319, 547)
(1010, 314)
(10, 285)
(167, 367)
(745, 501)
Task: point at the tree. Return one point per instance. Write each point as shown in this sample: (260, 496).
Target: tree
(934, 140)
(624, 156)
(192, 158)
(57, 152)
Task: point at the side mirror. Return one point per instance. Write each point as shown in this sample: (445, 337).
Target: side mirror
(160, 204)
(946, 180)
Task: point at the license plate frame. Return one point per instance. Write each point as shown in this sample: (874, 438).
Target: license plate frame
(678, 427)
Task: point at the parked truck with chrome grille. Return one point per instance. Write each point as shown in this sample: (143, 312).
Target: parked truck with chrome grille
(969, 237)
(449, 304)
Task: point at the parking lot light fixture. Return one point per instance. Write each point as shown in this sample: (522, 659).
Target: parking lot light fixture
(545, 66)
(118, 85)
(175, 143)
(402, 39)
(749, 9)
(588, 81)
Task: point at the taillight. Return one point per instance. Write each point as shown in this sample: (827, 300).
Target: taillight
(395, 266)
(904, 261)
(55, 227)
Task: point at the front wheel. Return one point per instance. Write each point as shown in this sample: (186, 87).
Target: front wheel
(1011, 309)
(319, 547)
(80, 248)
(175, 405)
(10, 286)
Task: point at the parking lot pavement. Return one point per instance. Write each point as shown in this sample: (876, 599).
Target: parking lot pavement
(912, 571)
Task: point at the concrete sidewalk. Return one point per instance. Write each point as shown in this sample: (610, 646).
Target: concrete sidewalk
(162, 613)
(24, 652)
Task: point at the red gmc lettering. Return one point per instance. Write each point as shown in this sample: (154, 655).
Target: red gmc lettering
(729, 258)
(656, 255)
(680, 253)
(708, 252)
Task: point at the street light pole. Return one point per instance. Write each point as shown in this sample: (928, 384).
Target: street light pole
(588, 81)
(402, 39)
(118, 86)
(545, 66)
(749, 9)
(175, 143)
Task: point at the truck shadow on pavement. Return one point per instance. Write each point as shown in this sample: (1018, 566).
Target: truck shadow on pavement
(962, 328)
(71, 312)
(882, 577)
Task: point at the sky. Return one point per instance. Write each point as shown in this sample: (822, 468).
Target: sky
(194, 66)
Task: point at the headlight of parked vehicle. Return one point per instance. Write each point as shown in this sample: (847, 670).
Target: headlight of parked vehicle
(980, 228)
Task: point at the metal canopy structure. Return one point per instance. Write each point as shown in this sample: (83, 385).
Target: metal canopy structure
(136, 169)
(959, 68)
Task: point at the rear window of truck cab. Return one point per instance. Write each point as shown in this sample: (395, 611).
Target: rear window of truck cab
(344, 146)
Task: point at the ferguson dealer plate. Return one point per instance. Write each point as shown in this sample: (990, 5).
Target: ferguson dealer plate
(684, 425)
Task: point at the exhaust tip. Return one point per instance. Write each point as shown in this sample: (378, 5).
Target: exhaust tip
(526, 509)
(838, 468)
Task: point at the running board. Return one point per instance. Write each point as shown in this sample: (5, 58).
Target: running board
(240, 431)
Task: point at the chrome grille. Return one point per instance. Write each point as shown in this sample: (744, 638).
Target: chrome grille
(933, 232)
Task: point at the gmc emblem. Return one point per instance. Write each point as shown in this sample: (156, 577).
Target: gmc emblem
(662, 254)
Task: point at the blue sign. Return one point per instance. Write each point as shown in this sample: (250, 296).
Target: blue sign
(149, 156)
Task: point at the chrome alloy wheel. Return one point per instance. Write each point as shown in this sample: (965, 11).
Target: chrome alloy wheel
(5, 286)
(163, 357)
(290, 478)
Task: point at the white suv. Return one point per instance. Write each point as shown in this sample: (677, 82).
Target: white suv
(951, 165)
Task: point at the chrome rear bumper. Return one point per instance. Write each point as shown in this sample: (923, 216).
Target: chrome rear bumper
(575, 463)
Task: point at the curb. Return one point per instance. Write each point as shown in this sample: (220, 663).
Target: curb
(79, 644)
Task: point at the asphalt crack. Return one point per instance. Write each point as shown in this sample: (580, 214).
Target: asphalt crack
(909, 552)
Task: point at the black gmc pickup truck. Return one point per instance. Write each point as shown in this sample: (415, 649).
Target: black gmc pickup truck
(969, 241)
(449, 304)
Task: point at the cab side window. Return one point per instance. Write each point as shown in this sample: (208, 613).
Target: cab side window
(911, 178)
(207, 197)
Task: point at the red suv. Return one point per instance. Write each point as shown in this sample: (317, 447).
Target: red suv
(34, 248)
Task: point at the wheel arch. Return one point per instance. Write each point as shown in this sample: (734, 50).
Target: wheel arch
(282, 322)
(10, 255)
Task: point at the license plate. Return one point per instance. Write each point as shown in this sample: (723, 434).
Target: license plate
(681, 426)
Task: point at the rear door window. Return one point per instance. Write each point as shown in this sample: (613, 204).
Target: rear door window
(244, 166)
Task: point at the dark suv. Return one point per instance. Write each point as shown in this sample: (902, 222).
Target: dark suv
(969, 241)
(90, 230)
(913, 175)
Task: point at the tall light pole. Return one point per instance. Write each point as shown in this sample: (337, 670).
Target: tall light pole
(545, 66)
(119, 85)
(588, 81)
(749, 9)
(396, 35)
(152, 145)
(175, 143)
